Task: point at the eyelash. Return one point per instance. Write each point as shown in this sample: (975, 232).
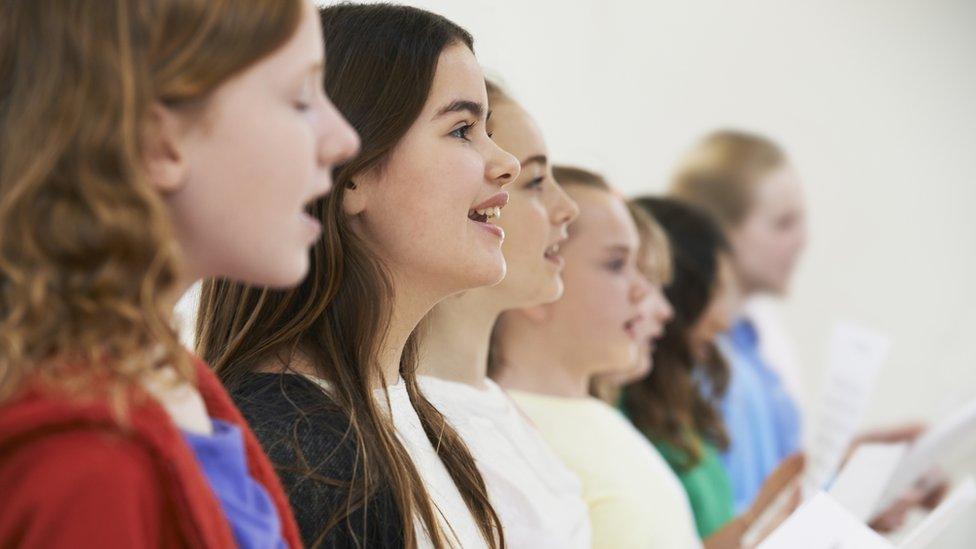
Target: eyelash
(535, 183)
(462, 132)
(616, 266)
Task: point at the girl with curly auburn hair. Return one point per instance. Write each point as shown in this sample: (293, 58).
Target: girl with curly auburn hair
(144, 145)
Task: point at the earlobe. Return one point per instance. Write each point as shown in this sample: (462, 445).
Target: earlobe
(162, 154)
(353, 199)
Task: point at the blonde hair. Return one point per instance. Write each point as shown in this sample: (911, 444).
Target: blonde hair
(720, 173)
(654, 255)
(88, 259)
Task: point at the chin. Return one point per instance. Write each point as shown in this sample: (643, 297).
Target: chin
(286, 275)
(488, 273)
(623, 361)
(552, 291)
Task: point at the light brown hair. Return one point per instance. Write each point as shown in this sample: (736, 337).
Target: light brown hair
(88, 260)
(719, 175)
(379, 70)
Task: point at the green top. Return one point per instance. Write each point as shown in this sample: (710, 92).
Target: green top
(707, 485)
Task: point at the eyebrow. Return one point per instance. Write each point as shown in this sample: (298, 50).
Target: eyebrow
(539, 159)
(619, 248)
(461, 105)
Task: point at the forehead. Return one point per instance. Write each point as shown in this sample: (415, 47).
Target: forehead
(779, 190)
(458, 76)
(603, 218)
(303, 48)
(515, 131)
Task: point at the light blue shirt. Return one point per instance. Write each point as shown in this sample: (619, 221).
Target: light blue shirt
(249, 510)
(761, 419)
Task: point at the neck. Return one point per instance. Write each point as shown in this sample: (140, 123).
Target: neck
(411, 302)
(531, 366)
(457, 337)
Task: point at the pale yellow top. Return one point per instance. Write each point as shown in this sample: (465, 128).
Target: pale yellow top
(635, 500)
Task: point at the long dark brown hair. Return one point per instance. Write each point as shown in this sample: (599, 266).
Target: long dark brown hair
(380, 66)
(678, 401)
(88, 258)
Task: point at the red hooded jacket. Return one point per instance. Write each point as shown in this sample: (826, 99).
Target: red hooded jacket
(70, 476)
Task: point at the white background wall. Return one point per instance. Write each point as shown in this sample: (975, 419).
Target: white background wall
(874, 99)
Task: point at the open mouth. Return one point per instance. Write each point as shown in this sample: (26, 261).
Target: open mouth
(488, 211)
(632, 327)
(485, 215)
(552, 255)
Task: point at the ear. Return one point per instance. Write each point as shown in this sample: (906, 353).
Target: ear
(356, 195)
(354, 199)
(162, 153)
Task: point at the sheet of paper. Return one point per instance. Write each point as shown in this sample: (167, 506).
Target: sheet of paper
(822, 523)
(951, 509)
(940, 444)
(864, 478)
(856, 355)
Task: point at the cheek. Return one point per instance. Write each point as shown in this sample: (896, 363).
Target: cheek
(600, 300)
(417, 216)
(249, 176)
(526, 235)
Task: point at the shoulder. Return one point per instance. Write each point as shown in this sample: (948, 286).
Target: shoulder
(108, 474)
(289, 413)
(319, 460)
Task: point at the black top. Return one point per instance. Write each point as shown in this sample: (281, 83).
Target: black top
(309, 442)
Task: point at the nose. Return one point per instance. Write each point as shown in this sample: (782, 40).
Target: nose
(566, 210)
(640, 289)
(501, 167)
(338, 141)
(665, 310)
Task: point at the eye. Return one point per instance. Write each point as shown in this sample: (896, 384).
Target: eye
(616, 265)
(535, 183)
(301, 106)
(462, 132)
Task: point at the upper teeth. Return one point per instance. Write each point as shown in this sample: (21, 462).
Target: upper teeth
(554, 249)
(490, 212)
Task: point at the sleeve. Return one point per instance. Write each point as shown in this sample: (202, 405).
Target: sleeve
(80, 489)
(315, 453)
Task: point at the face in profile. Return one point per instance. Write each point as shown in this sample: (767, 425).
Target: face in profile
(657, 312)
(537, 216)
(262, 149)
(430, 210)
(725, 301)
(598, 320)
(771, 238)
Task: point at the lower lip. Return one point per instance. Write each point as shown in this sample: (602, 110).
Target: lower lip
(311, 225)
(556, 260)
(493, 229)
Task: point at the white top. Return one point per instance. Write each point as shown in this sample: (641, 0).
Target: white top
(635, 500)
(457, 522)
(539, 500)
